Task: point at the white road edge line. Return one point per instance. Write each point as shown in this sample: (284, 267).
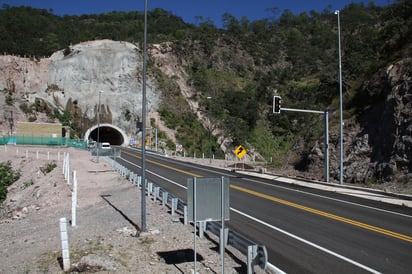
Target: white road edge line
(307, 242)
(280, 230)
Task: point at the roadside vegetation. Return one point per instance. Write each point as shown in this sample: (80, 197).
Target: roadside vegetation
(7, 177)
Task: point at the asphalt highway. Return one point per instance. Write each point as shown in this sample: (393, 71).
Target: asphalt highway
(305, 230)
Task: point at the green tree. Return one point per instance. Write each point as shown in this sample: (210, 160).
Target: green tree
(7, 177)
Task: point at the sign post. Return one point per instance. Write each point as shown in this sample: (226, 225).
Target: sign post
(205, 204)
(240, 151)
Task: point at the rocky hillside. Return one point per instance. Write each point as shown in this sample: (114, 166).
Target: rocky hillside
(72, 79)
(203, 79)
(378, 138)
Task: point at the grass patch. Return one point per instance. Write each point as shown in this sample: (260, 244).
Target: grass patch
(48, 167)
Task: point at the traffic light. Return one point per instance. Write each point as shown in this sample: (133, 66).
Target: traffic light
(276, 104)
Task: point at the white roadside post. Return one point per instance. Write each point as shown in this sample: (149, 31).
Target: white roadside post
(64, 164)
(65, 244)
(74, 198)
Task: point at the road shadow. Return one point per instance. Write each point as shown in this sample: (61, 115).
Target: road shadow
(179, 256)
(136, 226)
(242, 266)
(175, 257)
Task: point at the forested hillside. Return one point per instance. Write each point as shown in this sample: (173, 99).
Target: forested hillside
(242, 65)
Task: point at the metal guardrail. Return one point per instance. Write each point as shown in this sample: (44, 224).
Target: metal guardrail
(256, 254)
(112, 152)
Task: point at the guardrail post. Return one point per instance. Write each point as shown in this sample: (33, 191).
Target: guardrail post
(202, 228)
(164, 198)
(156, 193)
(134, 179)
(185, 217)
(149, 188)
(174, 205)
(251, 254)
(256, 255)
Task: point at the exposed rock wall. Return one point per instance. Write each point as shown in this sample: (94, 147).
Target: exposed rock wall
(378, 140)
(79, 75)
(386, 127)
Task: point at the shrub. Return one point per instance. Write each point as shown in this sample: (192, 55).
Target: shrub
(9, 100)
(7, 177)
(48, 168)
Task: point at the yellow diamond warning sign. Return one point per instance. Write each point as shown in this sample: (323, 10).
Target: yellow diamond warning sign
(240, 151)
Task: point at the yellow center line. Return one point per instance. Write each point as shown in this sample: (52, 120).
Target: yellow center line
(165, 166)
(326, 214)
(301, 207)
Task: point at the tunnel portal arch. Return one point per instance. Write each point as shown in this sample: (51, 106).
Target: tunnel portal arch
(107, 133)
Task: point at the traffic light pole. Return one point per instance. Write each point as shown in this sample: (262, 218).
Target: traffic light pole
(326, 134)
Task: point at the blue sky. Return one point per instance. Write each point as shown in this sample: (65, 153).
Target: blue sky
(189, 9)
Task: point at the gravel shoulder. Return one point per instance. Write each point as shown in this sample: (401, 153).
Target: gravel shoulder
(105, 238)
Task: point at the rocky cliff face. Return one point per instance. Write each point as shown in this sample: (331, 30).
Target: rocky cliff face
(386, 127)
(378, 140)
(75, 76)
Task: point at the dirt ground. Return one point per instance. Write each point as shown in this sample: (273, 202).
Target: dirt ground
(105, 238)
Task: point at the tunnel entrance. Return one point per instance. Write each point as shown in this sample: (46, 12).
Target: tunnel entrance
(107, 133)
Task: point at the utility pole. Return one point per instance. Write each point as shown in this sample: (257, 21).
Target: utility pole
(143, 189)
(337, 12)
(210, 129)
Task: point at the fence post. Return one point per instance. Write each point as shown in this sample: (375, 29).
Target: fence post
(74, 198)
(65, 244)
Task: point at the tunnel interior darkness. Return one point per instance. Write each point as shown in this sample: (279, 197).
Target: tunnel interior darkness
(107, 134)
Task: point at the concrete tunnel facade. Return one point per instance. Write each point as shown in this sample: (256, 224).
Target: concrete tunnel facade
(107, 133)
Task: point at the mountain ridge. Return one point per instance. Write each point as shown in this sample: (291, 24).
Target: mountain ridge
(241, 67)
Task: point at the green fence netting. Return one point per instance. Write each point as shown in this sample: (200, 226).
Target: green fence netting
(42, 140)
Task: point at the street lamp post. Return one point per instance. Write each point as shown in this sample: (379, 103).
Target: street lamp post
(337, 12)
(98, 127)
(210, 130)
(144, 100)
